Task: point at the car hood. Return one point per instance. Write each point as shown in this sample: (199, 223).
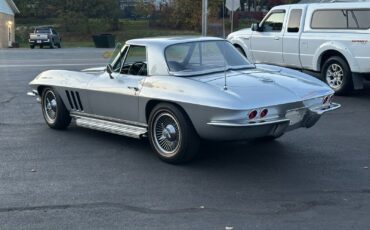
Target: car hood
(267, 87)
(95, 70)
(239, 32)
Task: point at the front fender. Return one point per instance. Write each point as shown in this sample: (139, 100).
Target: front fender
(338, 47)
(242, 38)
(238, 41)
(61, 78)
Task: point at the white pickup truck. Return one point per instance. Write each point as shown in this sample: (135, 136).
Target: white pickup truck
(330, 38)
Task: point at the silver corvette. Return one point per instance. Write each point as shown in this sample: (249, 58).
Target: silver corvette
(176, 91)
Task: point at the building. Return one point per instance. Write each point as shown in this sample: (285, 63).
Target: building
(7, 11)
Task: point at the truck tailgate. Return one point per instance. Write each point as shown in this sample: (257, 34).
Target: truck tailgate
(38, 36)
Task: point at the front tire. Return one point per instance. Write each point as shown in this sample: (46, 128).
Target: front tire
(172, 135)
(54, 111)
(337, 74)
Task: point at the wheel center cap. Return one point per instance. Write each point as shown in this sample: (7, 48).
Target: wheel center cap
(169, 132)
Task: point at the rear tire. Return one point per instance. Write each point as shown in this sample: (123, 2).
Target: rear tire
(172, 135)
(337, 74)
(54, 111)
(32, 46)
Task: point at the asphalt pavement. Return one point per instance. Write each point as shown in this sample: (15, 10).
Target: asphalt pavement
(316, 178)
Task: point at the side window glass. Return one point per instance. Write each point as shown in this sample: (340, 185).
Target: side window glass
(329, 19)
(359, 19)
(294, 21)
(135, 63)
(274, 23)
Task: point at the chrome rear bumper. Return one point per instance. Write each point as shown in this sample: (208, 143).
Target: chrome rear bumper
(232, 130)
(322, 110)
(310, 113)
(34, 93)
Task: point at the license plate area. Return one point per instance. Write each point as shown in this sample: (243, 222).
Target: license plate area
(38, 41)
(295, 116)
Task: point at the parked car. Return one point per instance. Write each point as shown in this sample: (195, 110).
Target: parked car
(331, 38)
(45, 36)
(179, 90)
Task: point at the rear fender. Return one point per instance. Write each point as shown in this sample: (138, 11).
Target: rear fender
(338, 47)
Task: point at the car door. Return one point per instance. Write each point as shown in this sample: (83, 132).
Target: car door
(115, 95)
(267, 43)
(292, 36)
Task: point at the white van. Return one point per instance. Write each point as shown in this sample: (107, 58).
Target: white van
(330, 38)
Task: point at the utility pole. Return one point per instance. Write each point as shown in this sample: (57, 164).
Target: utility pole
(204, 17)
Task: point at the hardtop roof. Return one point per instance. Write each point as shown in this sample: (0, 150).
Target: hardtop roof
(166, 41)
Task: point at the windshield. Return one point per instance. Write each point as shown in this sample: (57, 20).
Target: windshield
(116, 58)
(204, 57)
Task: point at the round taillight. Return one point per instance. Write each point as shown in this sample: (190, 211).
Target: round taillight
(264, 113)
(252, 114)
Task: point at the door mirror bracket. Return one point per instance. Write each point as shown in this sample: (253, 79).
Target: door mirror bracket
(256, 27)
(110, 71)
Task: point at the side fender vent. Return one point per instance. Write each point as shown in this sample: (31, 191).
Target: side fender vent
(74, 100)
(79, 101)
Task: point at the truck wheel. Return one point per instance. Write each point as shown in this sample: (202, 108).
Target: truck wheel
(55, 113)
(32, 46)
(172, 135)
(337, 74)
(41, 46)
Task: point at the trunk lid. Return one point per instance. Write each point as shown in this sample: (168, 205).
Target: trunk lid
(266, 88)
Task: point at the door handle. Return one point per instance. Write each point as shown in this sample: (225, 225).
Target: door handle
(277, 38)
(133, 87)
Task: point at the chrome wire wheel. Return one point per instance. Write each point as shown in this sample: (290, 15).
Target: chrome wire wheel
(167, 134)
(334, 76)
(50, 106)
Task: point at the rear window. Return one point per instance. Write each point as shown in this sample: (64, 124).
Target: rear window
(341, 19)
(42, 31)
